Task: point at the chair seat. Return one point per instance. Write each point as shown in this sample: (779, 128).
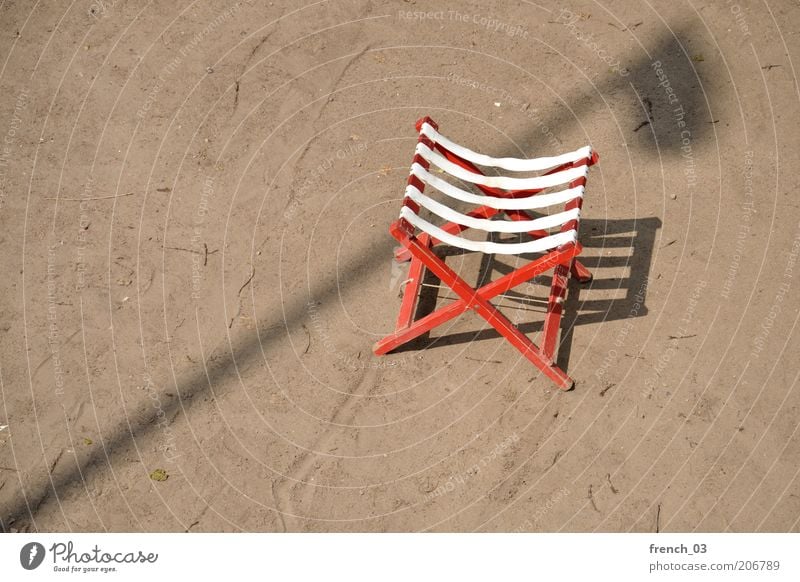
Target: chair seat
(503, 193)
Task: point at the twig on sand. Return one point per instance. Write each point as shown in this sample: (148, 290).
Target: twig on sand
(205, 252)
(239, 294)
(92, 198)
(591, 499)
(484, 361)
(50, 355)
(610, 484)
(250, 278)
(308, 339)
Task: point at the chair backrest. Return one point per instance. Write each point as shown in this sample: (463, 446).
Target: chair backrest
(504, 193)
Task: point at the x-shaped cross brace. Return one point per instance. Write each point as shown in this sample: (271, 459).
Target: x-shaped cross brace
(560, 260)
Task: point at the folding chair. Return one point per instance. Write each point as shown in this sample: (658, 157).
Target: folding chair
(513, 196)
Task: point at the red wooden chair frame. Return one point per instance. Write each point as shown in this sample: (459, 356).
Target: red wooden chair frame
(419, 249)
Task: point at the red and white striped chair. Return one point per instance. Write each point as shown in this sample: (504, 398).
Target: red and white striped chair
(553, 236)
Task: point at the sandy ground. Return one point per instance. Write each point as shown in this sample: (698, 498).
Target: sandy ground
(193, 234)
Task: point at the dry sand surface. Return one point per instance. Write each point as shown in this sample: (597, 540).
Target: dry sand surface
(195, 264)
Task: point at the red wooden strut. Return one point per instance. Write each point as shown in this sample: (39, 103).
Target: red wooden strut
(418, 248)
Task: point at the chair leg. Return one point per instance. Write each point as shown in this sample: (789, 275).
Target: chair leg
(411, 292)
(520, 341)
(419, 327)
(555, 307)
(580, 272)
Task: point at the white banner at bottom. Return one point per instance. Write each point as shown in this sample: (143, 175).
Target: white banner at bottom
(380, 557)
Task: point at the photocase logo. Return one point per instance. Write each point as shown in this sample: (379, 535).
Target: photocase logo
(31, 555)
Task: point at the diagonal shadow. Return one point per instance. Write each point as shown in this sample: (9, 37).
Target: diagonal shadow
(222, 362)
(670, 77)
